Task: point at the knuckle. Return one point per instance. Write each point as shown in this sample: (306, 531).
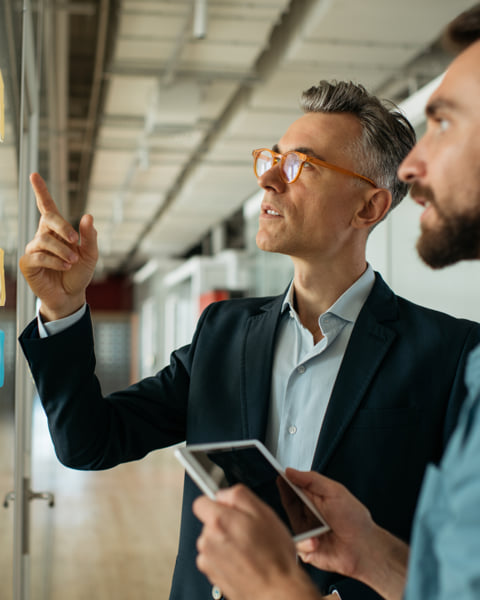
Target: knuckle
(217, 523)
(200, 542)
(42, 258)
(202, 563)
(217, 530)
(238, 492)
(29, 248)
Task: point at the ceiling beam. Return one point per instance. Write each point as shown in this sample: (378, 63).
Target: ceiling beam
(93, 106)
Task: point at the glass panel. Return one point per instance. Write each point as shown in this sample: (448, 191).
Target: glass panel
(10, 60)
(110, 534)
(7, 325)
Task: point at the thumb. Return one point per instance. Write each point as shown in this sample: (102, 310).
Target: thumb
(300, 478)
(240, 498)
(313, 482)
(88, 237)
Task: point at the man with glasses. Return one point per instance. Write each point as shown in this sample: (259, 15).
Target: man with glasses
(337, 374)
(444, 559)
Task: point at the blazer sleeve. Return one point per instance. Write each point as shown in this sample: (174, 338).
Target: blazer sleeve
(92, 431)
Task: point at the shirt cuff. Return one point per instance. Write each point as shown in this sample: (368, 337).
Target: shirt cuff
(53, 327)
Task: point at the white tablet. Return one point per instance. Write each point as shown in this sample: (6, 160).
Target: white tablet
(220, 465)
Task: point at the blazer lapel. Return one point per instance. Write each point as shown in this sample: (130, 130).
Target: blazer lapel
(369, 342)
(256, 367)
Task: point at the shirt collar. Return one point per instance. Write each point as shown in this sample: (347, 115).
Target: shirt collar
(349, 304)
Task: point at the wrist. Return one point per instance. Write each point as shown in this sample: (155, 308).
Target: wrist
(385, 565)
(294, 584)
(48, 313)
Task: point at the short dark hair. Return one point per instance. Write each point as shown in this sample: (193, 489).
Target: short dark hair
(463, 30)
(387, 135)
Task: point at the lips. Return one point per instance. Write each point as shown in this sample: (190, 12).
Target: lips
(423, 196)
(422, 201)
(270, 211)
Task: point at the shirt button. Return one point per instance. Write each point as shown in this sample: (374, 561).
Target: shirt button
(216, 593)
(301, 369)
(292, 430)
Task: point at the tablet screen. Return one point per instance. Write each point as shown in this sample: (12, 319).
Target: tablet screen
(247, 464)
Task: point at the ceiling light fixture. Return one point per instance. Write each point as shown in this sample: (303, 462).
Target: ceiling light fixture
(200, 19)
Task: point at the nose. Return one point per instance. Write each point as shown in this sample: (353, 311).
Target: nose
(272, 179)
(413, 165)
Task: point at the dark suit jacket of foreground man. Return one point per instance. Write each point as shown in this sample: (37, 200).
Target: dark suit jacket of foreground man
(393, 407)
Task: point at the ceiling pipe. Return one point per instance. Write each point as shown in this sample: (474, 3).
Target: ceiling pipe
(200, 19)
(93, 107)
(62, 35)
(56, 48)
(284, 36)
(172, 63)
(165, 81)
(7, 30)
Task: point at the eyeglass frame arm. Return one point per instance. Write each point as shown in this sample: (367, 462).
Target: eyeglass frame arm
(310, 159)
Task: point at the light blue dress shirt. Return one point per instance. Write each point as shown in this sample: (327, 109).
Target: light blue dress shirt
(304, 374)
(53, 327)
(445, 551)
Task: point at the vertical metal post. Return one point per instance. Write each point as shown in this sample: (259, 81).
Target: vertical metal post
(29, 123)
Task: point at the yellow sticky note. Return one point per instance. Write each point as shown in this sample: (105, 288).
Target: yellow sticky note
(2, 280)
(2, 108)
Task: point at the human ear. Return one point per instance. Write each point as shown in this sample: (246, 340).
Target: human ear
(374, 208)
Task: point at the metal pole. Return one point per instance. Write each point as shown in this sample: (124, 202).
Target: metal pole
(29, 119)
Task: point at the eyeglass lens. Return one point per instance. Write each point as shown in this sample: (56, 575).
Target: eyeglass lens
(291, 164)
(263, 162)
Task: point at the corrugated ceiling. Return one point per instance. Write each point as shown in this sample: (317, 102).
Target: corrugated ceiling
(151, 128)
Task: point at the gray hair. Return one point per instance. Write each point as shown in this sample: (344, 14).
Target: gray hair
(387, 136)
(463, 30)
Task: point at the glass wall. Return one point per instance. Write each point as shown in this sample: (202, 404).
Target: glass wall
(65, 534)
(10, 84)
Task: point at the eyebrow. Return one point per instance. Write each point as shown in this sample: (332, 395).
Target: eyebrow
(302, 149)
(437, 105)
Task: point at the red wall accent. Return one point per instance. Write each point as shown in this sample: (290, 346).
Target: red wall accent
(111, 294)
(211, 296)
(10, 293)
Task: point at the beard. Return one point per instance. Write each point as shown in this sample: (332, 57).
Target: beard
(456, 238)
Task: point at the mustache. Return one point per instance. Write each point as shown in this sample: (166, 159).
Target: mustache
(422, 191)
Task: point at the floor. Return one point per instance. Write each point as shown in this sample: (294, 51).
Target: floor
(111, 534)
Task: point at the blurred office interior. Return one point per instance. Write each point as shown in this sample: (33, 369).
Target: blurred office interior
(144, 113)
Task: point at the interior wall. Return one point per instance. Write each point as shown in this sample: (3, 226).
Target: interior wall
(391, 250)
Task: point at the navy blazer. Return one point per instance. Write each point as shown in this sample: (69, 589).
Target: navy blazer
(393, 406)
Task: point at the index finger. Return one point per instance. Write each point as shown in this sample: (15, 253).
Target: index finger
(243, 499)
(209, 511)
(45, 202)
(47, 206)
